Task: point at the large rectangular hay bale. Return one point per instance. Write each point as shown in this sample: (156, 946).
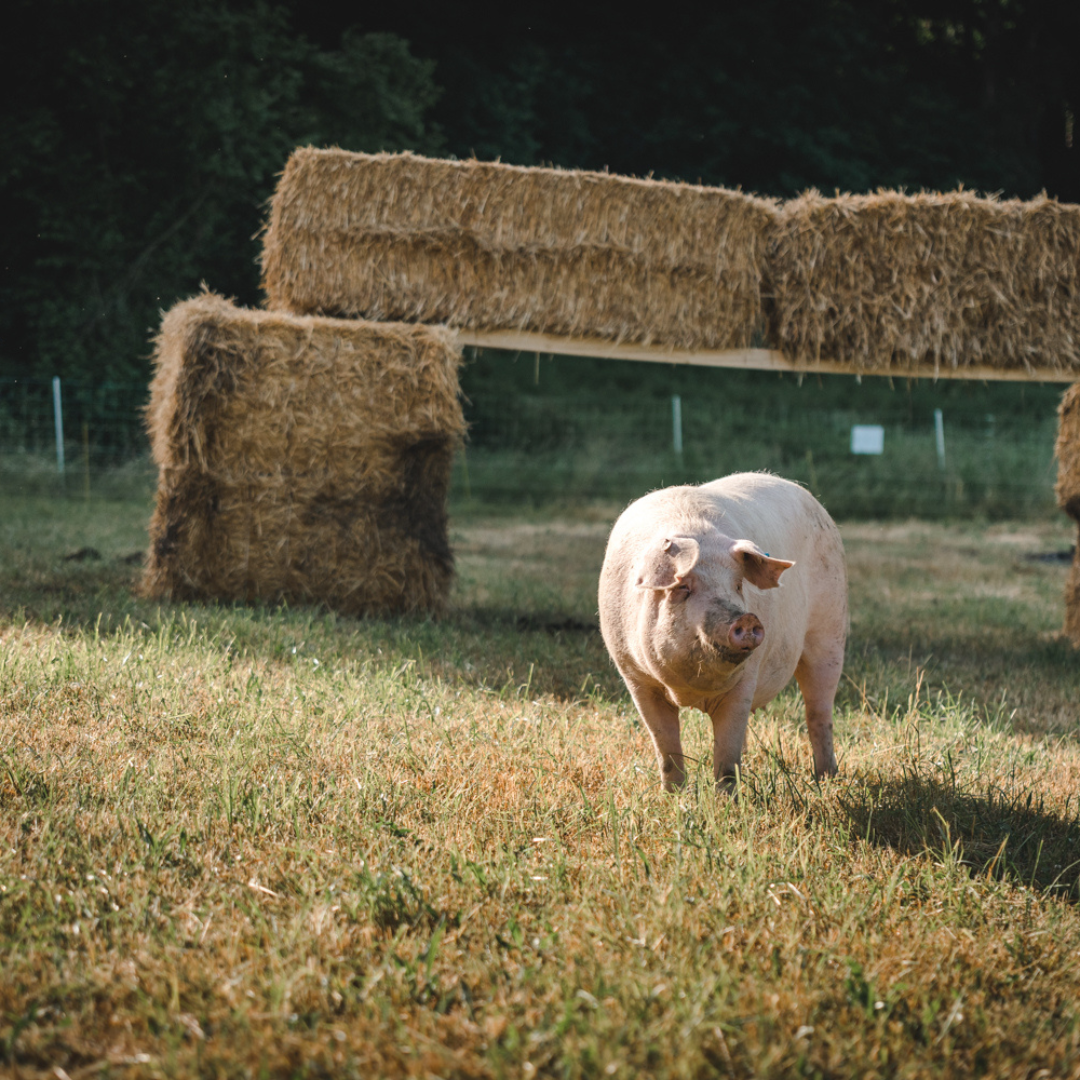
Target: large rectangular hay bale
(1068, 496)
(911, 284)
(301, 459)
(483, 245)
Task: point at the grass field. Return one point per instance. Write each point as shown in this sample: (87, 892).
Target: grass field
(261, 841)
(554, 430)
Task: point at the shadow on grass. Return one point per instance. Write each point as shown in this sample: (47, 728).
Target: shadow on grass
(557, 624)
(547, 653)
(1031, 682)
(1012, 838)
(538, 653)
(78, 589)
(980, 650)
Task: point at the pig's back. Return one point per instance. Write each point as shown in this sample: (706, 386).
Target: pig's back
(770, 511)
(786, 521)
(754, 506)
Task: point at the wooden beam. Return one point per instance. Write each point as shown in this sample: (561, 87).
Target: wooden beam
(748, 359)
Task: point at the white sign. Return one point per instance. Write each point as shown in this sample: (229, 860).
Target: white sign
(867, 439)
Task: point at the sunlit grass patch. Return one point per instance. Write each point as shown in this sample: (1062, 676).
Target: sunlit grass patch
(243, 840)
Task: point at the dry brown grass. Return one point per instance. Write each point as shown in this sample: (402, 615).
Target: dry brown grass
(481, 244)
(301, 459)
(243, 841)
(912, 284)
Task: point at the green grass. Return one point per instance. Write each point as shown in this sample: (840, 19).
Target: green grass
(572, 430)
(263, 841)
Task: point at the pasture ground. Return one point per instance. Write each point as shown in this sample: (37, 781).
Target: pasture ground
(263, 841)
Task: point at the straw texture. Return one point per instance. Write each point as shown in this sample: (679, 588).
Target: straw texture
(895, 283)
(485, 245)
(1068, 495)
(301, 459)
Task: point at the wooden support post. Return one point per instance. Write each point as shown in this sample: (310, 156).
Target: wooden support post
(746, 359)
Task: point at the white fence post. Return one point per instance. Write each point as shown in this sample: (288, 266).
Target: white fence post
(676, 423)
(58, 423)
(939, 432)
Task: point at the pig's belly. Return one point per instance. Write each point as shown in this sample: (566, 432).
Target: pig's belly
(776, 671)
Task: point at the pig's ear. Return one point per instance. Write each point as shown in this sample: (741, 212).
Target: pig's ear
(759, 568)
(668, 562)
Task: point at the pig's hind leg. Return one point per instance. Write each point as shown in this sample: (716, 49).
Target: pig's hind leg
(662, 719)
(818, 675)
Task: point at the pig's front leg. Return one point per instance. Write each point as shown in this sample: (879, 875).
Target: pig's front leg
(662, 720)
(818, 680)
(730, 716)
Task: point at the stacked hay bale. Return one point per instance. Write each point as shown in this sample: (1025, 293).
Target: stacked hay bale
(302, 459)
(305, 455)
(886, 283)
(489, 246)
(913, 284)
(1068, 495)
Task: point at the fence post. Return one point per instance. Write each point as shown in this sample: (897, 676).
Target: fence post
(939, 433)
(86, 459)
(58, 423)
(676, 423)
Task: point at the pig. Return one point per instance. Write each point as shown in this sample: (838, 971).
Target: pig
(694, 612)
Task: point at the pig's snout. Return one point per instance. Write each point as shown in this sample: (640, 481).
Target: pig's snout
(746, 633)
(730, 634)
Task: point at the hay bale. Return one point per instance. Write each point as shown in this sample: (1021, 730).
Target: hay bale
(1072, 601)
(1068, 452)
(482, 245)
(301, 459)
(911, 284)
(1068, 495)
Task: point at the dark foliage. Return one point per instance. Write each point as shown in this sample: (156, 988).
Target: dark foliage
(139, 141)
(138, 144)
(775, 96)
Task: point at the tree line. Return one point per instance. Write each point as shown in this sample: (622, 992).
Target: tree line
(139, 141)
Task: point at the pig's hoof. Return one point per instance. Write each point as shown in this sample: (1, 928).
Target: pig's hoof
(728, 785)
(672, 774)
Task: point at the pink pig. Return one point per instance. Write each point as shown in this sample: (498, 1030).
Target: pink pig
(694, 613)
